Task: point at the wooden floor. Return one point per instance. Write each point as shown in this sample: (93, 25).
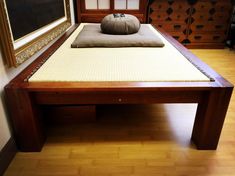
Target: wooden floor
(141, 140)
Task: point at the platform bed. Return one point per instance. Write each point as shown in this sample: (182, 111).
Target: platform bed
(25, 98)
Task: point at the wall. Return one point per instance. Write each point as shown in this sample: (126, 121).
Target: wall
(6, 74)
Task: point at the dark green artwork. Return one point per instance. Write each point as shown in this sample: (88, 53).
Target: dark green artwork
(27, 16)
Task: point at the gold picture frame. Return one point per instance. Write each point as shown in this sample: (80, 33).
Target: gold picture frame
(15, 57)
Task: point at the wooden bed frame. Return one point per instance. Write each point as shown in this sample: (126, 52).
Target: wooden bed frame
(25, 99)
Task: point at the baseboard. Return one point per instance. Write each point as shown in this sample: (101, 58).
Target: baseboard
(7, 154)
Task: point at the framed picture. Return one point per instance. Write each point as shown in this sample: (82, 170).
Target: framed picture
(27, 26)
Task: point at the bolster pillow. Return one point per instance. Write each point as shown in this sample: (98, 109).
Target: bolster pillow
(120, 24)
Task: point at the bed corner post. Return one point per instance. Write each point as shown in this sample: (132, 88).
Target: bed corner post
(25, 118)
(210, 115)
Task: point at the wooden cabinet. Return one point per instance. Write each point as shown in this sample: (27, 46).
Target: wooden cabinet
(96, 10)
(203, 24)
(171, 16)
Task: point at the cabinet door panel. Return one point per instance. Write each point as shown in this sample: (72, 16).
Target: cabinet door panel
(104, 4)
(133, 4)
(91, 4)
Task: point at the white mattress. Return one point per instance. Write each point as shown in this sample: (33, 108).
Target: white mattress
(117, 64)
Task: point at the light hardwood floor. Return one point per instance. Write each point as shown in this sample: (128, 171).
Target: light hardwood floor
(139, 140)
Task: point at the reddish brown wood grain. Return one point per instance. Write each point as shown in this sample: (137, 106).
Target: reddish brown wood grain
(202, 24)
(26, 119)
(210, 117)
(213, 98)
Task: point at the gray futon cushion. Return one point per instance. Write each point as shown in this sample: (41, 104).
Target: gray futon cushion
(91, 36)
(120, 24)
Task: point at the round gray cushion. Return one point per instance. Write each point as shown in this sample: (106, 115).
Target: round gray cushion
(120, 24)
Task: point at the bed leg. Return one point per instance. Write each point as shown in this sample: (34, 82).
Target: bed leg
(211, 112)
(26, 120)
